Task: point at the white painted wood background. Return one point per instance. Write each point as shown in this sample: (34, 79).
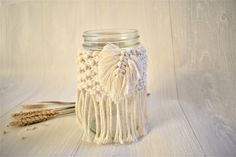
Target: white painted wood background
(191, 73)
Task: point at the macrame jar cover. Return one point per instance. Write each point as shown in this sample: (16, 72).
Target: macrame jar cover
(111, 94)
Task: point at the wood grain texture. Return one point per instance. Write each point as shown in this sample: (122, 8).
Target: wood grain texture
(191, 73)
(204, 50)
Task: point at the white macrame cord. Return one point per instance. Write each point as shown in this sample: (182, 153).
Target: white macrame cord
(111, 96)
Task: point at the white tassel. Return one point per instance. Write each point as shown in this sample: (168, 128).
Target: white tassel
(123, 121)
(140, 113)
(133, 118)
(127, 120)
(109, 121)
(143, 108)
(88, 131)
(118, 133)
(85, 106)
(112, 72)
(77, 107)
(97, 119)
(102, 117)
(79, 104)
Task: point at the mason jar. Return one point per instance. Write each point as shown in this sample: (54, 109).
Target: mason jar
(111, 88)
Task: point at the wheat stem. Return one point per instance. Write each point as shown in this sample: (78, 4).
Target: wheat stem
(57, 102)
(43, 104)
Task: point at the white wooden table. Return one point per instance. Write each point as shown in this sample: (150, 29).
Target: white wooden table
(191, 74)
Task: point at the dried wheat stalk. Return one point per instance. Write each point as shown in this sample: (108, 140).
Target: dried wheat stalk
(33, 113)
(37, 116)
(28, 119)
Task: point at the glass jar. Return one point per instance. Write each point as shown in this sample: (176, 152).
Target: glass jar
(111, 92)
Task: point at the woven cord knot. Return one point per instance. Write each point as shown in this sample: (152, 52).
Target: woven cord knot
(112, 88)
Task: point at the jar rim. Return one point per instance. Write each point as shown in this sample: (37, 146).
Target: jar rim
(96, 39)
(114, 31)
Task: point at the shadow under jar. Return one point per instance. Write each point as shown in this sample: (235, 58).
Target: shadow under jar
(111, 88)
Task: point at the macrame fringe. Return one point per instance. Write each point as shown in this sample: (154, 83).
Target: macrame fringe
(112, 122)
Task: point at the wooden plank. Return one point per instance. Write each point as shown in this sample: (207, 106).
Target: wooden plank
(14, 92)
(204, 51)
(16, 57)
(35, 47)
